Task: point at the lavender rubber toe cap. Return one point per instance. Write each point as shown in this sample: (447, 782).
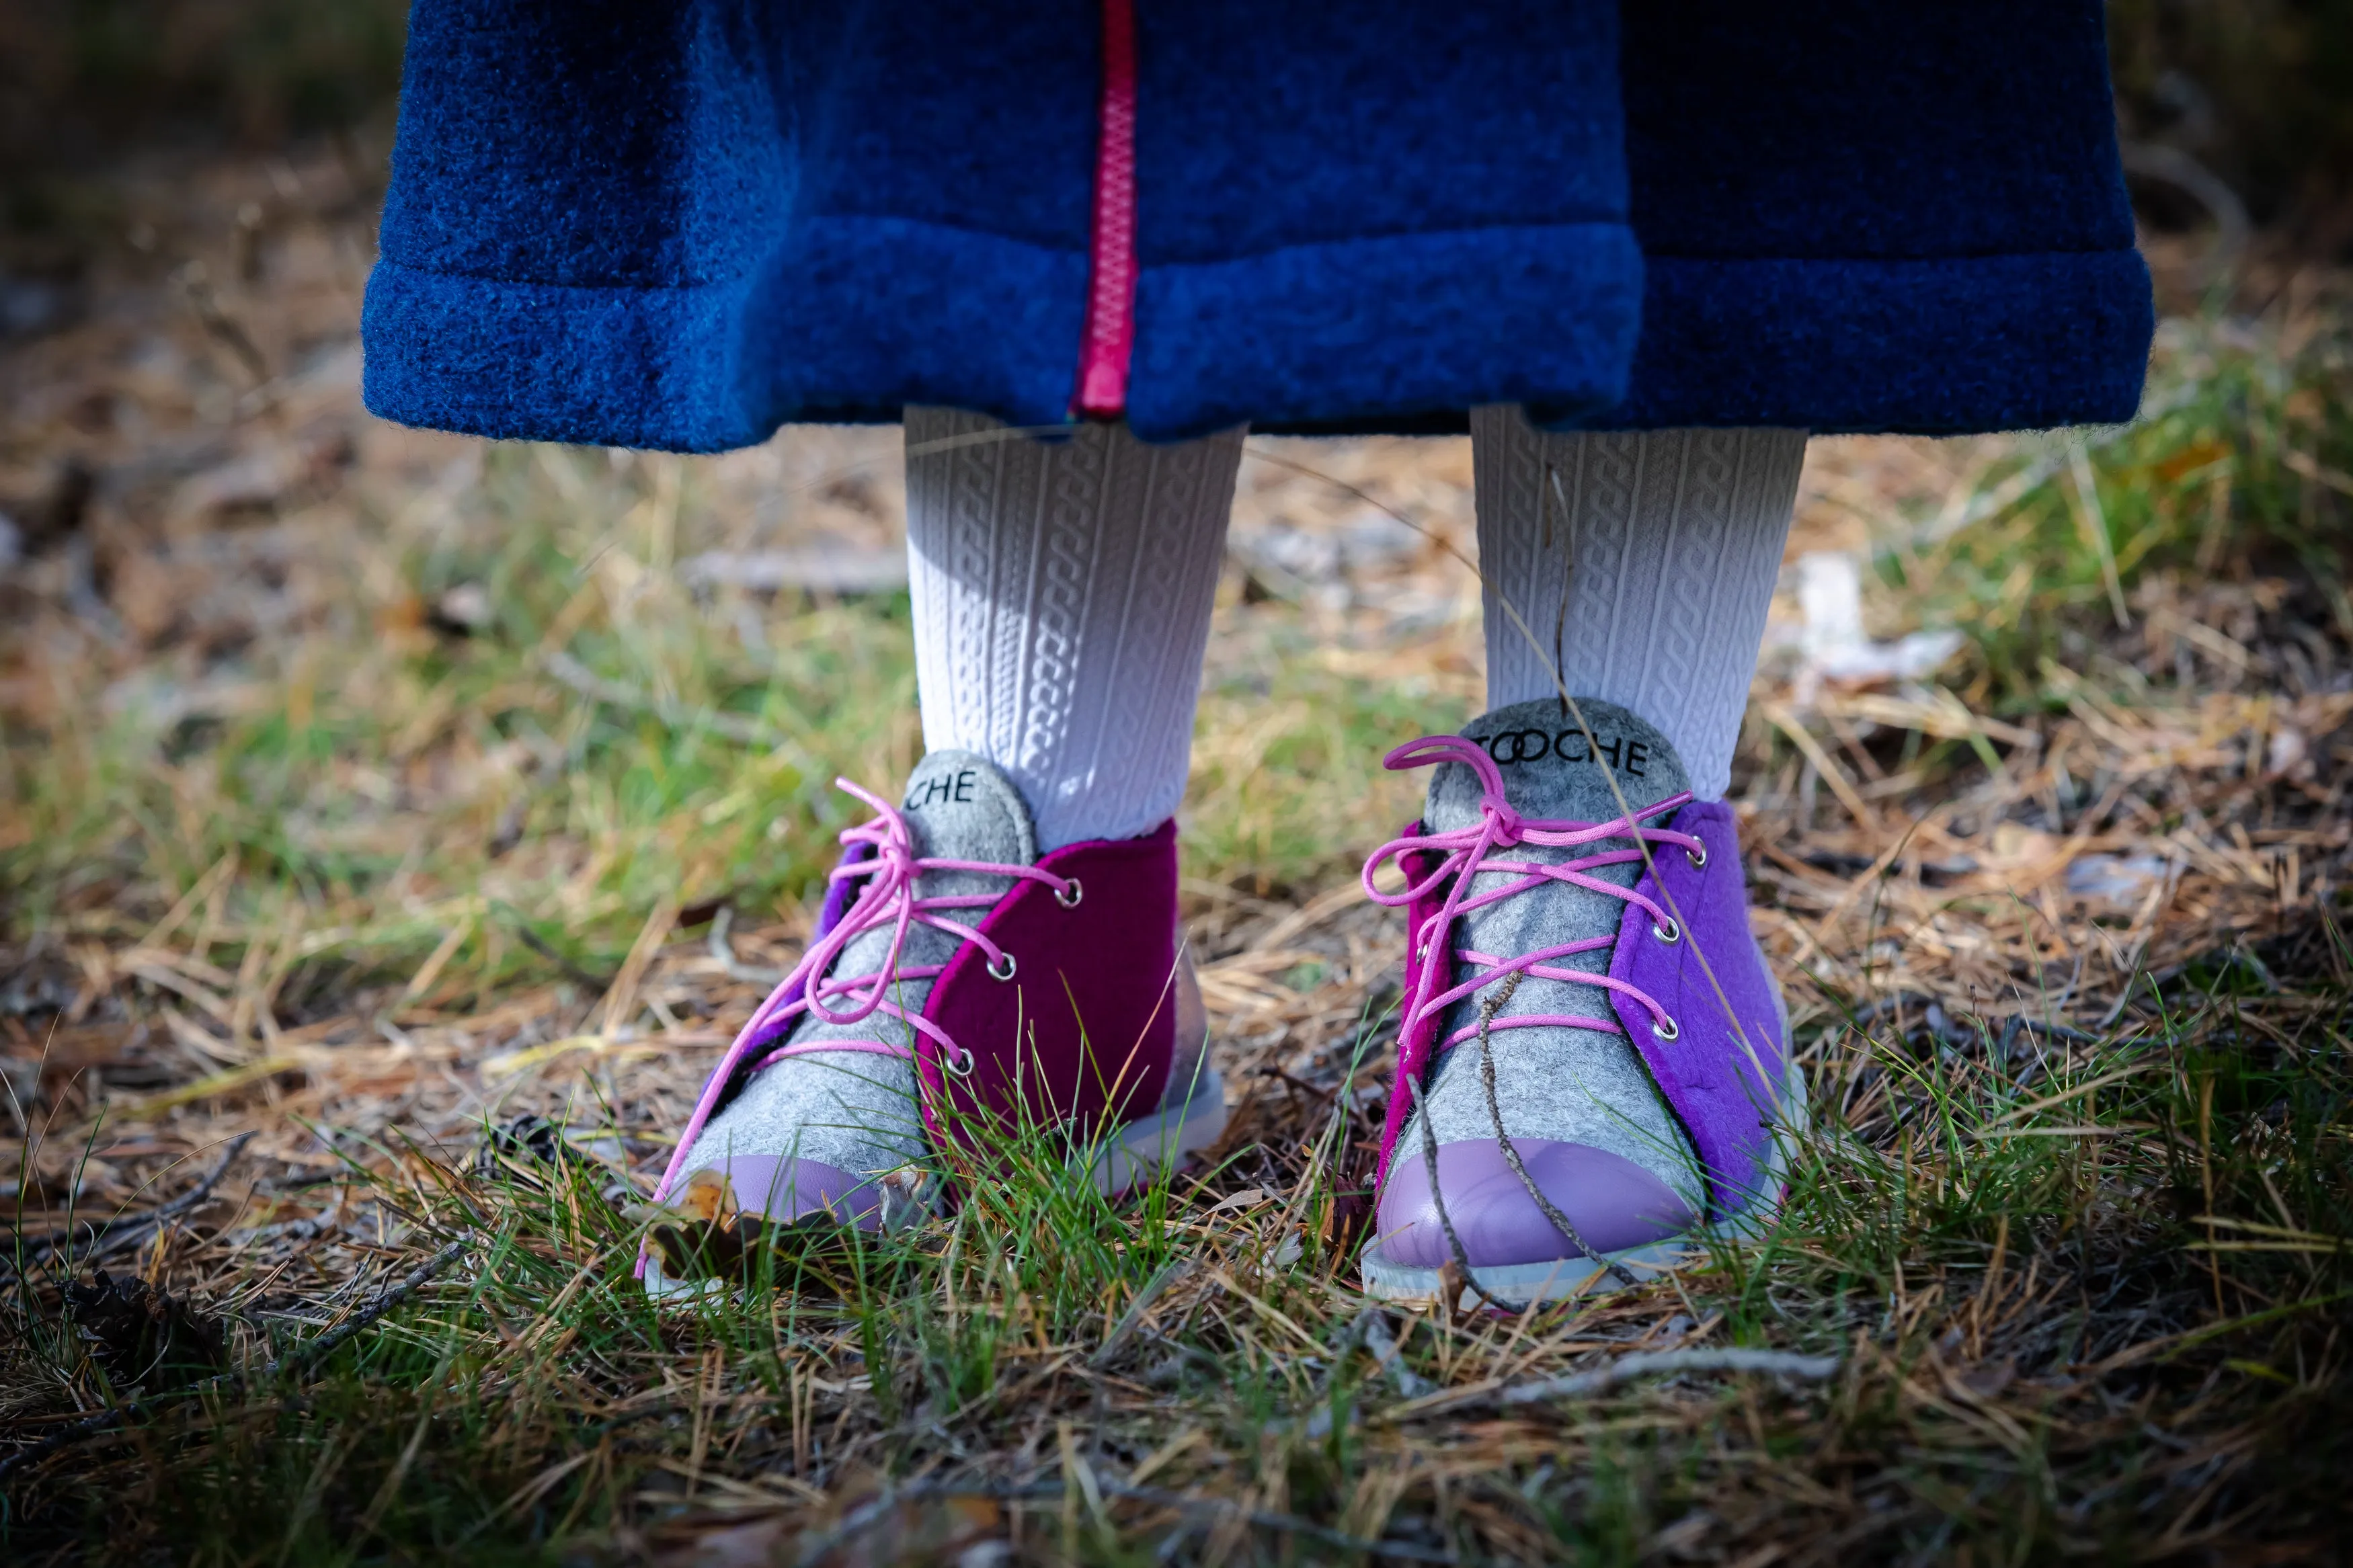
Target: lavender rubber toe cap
(1614, 1203)
(786, 1189)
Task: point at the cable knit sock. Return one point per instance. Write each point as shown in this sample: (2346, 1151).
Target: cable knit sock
(1062, 592)
(1667, 543)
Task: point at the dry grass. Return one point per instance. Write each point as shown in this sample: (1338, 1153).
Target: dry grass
(364, 791)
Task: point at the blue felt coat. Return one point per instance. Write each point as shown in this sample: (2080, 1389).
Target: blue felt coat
(681, 222)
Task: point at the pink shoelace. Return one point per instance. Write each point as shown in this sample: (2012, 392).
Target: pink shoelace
(1469, 853)
(888, 898)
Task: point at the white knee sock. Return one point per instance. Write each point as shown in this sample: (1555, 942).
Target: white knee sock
(1667, 542)
(1062, 592)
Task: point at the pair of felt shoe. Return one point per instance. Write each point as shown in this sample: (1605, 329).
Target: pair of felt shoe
(1593, 1062)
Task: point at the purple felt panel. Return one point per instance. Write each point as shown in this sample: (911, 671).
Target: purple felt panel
(1723, 1083)
(840, 894)
(786, 1189)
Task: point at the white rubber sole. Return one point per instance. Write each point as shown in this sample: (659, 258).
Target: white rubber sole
(668, 1292)
(1528, 1284)
(1521, 1285)
(1144, 1148)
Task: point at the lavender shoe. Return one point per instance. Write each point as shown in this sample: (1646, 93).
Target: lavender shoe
(1593, 1070)
(959, 985)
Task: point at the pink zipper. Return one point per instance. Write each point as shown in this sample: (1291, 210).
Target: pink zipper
(1111, 291)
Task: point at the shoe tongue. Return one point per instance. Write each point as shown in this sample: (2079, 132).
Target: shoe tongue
(958, 807)
(1552, 769)
(1553, 772)
(962, 808)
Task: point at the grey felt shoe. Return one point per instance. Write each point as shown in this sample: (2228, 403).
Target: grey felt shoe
(954, 990)
(1593, 1063)
(1565, 1084)
(839, 1133)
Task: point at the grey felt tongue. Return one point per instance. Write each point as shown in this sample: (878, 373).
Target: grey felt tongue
(1553, 769)
(1574, 1085)
(857, 1111)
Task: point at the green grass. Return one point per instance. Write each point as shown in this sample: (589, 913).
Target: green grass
(2011, 1310)
(374, 779)
(2240, 463)
(2087, 1280)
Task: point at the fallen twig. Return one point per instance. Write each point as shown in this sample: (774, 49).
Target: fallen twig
(300, 1357)
(105, 1239)
(572, 972)
(1370, 1330)
(1641, 1363)
(1388, 1356)
(612, 693)
(723, 951)
(390, 1296)
(866, 1515)
(1929, 1013)
(1169, 1273)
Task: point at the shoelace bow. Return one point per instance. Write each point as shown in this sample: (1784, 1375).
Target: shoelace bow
(1467, 853)
(889, 898)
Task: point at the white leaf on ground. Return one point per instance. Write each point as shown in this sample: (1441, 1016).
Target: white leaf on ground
(1833, 646)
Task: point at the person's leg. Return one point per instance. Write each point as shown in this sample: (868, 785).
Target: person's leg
(1592, 1056)
(1667, 543)
(1062, 593)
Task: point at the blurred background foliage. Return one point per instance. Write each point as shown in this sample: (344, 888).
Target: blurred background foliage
(2259, 91)
(86, 80)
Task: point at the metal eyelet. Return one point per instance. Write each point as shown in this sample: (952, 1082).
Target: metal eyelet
(961, 1064)
(1666, 1030)
(1698, 857)
(1673, 932)
(1069, 895)
(1004, 974)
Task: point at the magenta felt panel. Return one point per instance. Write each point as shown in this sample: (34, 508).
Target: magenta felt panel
(1414, 1050)
(1084, 1027)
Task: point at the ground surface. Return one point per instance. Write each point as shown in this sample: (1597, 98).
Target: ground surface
(365, 792)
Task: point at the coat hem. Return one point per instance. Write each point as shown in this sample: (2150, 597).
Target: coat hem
(1939, 346)
(878, 313)
(1385, 333)
(1398, 334)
